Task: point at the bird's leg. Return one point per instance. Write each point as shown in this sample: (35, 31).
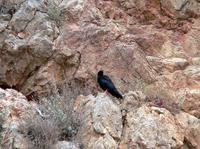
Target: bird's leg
(105, 92)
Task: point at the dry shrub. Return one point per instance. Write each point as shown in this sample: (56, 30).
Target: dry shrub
(1, 128)
(61, 109)
(56, 121)
(41, 133)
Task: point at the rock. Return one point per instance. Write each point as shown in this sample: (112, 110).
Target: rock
(106, 142)
(175, 64)
(11, 99)
(57, 47)
(172, 48)
(168, 64)
(191, 126)
(103, 121)
(27, 12)
(41, 83)
(42, 46)
(193, 72)
(107, 117)
(190, 101)
(10, 7)
(34, 40)
(191, 40)
(108, 126)
(65, 145)
(42, 27)
(14, 107)
(145, 124)
(180, 8)
(196, 60)
(76, 6)
(133, 100)
(98, 35)
(3, 25)
(16, 67)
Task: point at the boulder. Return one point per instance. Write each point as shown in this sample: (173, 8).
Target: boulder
(102, 119)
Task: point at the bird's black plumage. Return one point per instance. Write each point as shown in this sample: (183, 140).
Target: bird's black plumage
(106, 84)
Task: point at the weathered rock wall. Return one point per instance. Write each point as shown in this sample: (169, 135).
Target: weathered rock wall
(51, 47)
(107, 124)
(152, 46)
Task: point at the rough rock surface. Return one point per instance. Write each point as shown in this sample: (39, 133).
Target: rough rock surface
(109, 124)
(191, 126)
(102, 119)
(136, 125)
(51, 47)
(65, 145)
(54, 47)
(13, 107)
(152, 127)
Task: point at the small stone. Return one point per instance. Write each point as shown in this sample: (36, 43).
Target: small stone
(21, 35)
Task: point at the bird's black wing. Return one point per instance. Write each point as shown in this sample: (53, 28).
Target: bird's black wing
(111, 87)
(108, 79)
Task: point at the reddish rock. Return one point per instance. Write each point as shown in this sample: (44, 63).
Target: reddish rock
(143, 45)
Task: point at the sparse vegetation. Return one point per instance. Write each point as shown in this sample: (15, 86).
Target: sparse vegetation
(58, 122)
(41, 133)
(67, 119)
(1, 129)
(5, 133)
(54, 12)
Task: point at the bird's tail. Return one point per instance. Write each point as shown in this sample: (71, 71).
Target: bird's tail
(117, 94)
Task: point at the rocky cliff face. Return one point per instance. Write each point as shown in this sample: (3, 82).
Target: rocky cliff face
(57, 47)
(107, 124)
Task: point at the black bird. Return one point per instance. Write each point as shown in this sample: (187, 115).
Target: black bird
(107, 85)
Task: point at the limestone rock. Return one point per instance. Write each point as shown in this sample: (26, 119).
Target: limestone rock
(26, 12)
(168, 64)
(105, 142)
(152, 127)
(107, 124)
(196, 60)
(175, 63)
(4, 22)
(65, 145)
(76, 6)
(107, 117)
(181, 8)
(190, 101)
(109, 35)
(191, 127)
(103, 121)
(193, 72)
(57, 47)
(132, 100)
(14, 107)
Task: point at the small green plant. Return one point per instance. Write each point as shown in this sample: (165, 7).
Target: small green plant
(54, 12)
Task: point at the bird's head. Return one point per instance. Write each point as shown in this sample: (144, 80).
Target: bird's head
(100, 73)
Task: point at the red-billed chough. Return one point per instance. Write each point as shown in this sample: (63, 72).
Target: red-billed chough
(107, 85)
